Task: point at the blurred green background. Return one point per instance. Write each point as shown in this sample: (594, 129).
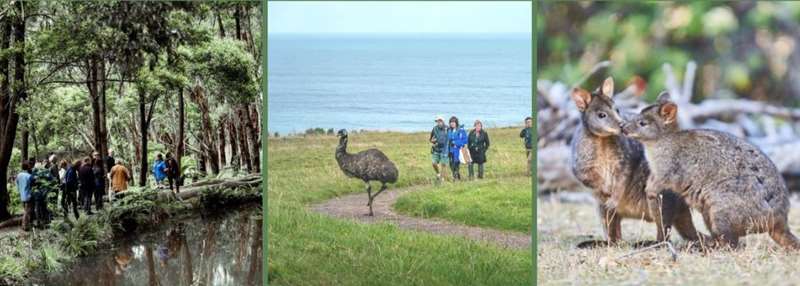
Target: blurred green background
(742, 49)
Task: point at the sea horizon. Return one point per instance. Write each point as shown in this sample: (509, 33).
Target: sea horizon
(397, 81)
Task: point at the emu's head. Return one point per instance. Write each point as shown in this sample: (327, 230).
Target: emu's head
(342, 133)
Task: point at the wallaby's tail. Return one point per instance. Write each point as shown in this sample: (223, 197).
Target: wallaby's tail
(783, 236)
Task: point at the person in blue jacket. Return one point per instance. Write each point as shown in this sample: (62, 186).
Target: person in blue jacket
(159, 170)
(457, 137)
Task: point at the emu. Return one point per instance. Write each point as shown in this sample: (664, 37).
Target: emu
(368, 165)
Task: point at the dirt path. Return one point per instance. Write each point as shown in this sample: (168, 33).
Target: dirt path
(354, 207)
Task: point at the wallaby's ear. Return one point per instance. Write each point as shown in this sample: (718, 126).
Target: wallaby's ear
(663, 97)
(608, 87)
(581, 98)
(668, 111)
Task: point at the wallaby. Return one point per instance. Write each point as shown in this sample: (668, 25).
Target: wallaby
(614, 167)
(732, 183)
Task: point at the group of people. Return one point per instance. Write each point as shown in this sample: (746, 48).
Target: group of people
(80, 183)
(448, 142)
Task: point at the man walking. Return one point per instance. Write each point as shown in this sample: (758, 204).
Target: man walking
(24, 182)
(439, 147)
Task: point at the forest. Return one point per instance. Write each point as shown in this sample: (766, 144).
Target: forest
(138, 78)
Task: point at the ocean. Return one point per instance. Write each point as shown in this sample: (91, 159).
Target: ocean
(397, 82)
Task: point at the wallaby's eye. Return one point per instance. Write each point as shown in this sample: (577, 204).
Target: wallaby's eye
(617, 110)
(601, 115)
(642, 123)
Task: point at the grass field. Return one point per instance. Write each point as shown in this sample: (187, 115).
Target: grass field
(562, 225)
(306, 248)
(502, 203)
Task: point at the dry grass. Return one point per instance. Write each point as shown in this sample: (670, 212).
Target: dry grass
(759, 261)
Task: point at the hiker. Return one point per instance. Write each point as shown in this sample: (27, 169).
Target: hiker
(99, 182)
(173, 173)
(24, 182)
(439, 145)
(87, 184)
(119, 176)
(52, 165)
(526, 134)
(478, 145)
(43, 183)
(457, 138)
(159, 170)
(109, 161)
(68, 176)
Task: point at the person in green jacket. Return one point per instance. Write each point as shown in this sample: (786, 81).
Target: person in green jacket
(439, 147)
(526, 135)
(478, 144)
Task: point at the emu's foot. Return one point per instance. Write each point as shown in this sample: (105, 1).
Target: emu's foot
(592, 244)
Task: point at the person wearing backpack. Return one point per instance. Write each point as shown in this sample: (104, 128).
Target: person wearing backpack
(173, 173)
(69, 182)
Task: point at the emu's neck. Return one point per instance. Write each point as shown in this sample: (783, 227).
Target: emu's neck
(341, 150)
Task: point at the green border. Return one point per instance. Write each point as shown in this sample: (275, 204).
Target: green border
(265, 130)
(534, 113)
(264, 140)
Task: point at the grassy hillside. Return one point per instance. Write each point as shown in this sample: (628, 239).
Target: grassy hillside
(306, 248)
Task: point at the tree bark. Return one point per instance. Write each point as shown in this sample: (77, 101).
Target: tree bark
(252, 126)
(223, 160)
(207, 141)
(143, 134)
(243, 145)
(181, 129)
(25, 144)
(8, 115)
(235, 157)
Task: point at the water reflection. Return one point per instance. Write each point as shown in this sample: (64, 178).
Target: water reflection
(223, 250)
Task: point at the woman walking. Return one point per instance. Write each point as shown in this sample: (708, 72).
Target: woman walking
(457, 138)
(478, 145)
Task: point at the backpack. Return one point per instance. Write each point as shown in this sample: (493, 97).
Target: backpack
(71, 178)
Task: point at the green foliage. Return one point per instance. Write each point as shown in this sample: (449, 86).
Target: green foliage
(738, 48)
(228, 67)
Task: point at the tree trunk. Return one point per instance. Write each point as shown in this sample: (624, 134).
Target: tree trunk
(220, 25)
(235, 157)
(252, 133)
(103, 140)
(25, 144)
(143, 134)
(94, 97)
(207, 144)
(181, 129)
(9, 118)
(223, 160)
(243, 145)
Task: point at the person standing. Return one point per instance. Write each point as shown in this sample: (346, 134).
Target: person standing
(69, 181)
(173, 173)
(457, 137)
(99, 183)
(87, 184)
(119, 176)
(24, 182)
(109, 160)
(159, 172)
(439, 144)
(526, 135)
(478, 145)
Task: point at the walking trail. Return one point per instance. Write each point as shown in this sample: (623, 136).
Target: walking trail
(354, 207)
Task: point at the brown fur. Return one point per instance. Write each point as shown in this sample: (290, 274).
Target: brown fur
(732, 183)
(614, 167)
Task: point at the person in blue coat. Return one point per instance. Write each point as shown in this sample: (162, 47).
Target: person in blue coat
(457, 137)
(159, 172)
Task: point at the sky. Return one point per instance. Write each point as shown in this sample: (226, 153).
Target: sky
(399, 17)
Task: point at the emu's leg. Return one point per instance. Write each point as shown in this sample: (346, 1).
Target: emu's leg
(369, 194)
